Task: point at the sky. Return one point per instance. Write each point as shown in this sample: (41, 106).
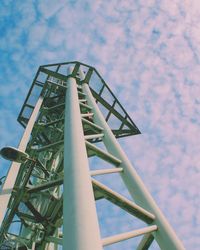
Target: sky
(148, 52)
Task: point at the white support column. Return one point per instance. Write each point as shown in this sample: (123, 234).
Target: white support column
(165, 236)
(81, 230)
(14, 168)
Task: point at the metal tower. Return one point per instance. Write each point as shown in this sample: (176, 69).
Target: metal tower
(48, 197)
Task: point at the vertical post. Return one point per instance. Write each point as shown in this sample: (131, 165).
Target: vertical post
(14, 168)
(81, 230)
(165, 235)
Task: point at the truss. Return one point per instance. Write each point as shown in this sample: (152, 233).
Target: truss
(66, 115)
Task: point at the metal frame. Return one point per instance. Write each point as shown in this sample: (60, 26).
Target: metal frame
(165, 235)
(65, 124)
(126, 127)
(9, 182)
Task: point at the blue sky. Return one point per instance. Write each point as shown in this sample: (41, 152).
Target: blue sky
(148, 51)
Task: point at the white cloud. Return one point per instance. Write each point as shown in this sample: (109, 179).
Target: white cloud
(148, 52)
(49, 8)
(37, 35)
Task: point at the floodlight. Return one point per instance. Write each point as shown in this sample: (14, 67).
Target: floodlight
(13, 154)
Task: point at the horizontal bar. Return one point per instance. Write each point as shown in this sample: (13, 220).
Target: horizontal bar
(26, 216)
(50, 146)
(50, 123)
(52, 73)
(56, 80)
(45, 185)
(38, 83)
(93, 125)
(105, 171)
(146, 242)
(29, 106)
(16, 238)
(103, 154)
(82, 100)
(85, 106)
(59, 181)
(94, 136)
(125, 236)
(57, 84)
(87, 115)
(79, 87)
(123, 202)
(53, 107)
(81, 94)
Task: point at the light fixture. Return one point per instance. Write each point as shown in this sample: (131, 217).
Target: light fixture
(14, 154)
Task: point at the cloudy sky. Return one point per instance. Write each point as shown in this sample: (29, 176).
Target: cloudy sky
(148, 51)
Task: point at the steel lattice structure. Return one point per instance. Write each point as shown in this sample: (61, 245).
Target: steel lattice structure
(68, 112)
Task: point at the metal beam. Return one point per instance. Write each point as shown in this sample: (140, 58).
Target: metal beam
(106, 171)
(87, 107)
(81, 230)
(93, 126)
(112, 110)
(46, 185)
(145, 242)
(123, 202)
(15, 167)
(165, 236)
(52, 145)
(103, 154)
(87, 115)
(125, 236)
(93, 136)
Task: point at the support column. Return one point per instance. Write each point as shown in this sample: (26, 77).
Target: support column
(14, 168)
(81, 230)
(165, 235)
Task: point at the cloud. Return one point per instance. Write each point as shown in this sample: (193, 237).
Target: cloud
(148, 52)
(49, 8)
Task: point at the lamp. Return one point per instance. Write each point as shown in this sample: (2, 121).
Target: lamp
(14, 154)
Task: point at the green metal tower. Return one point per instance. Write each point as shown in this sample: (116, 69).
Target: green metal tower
(48, 197)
